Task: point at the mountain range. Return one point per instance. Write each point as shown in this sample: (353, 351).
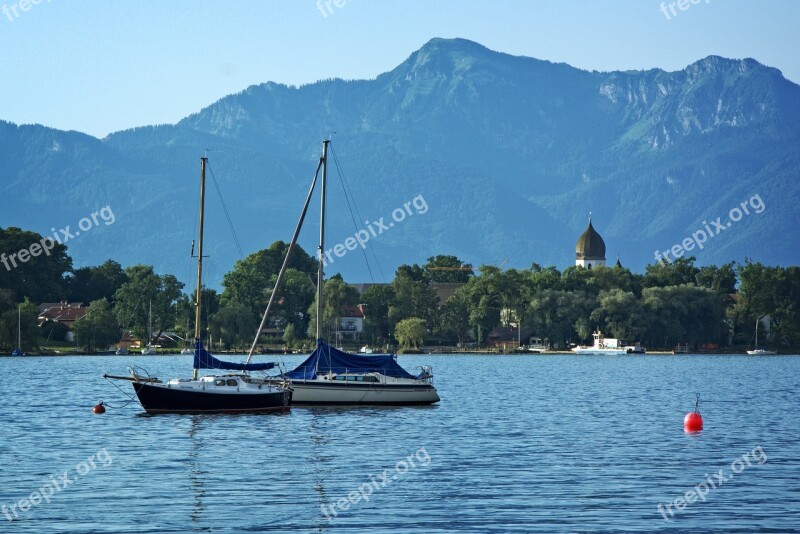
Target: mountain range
(510, 154)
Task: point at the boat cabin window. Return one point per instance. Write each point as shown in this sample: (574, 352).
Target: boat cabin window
(232, 382)
(219, 382)
(356, 378)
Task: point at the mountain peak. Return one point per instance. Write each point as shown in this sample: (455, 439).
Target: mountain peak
(441, 44)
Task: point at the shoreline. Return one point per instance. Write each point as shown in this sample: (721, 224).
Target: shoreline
(437, 352)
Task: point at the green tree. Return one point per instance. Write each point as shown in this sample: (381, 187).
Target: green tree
(720, 279)
(621, 314)
(336, 295)
(88, 284)
(773, 291)
(185, 312)
(33, 266)
(447, 269)
(249, 281)
(289, 336)
(543, 278)
(234, 325)
(561, 316)
(681, 271)
(27, 317)
(96, 329)
(453, 318)
(605, 279)
(410, 332)
(294, 298)
(483, 293)
(133, 300)
(684, 314)
(378, 300)
(413, 295)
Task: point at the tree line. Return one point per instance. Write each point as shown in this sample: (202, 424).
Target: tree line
(668, 304)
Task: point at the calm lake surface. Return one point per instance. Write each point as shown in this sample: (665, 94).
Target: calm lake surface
(532, 443)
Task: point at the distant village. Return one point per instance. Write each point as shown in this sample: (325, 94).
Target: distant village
(444, 305)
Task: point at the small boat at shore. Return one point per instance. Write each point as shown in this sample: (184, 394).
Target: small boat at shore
(757, 351)
(681, 349)
(635, 349)
(601, 346)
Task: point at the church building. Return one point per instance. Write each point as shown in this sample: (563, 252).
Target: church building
(590, 251)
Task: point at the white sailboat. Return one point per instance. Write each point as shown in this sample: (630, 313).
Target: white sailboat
(760, 352)
(332, 376)
(217, 393)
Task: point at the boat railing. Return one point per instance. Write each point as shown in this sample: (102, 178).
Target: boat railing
(425, 374)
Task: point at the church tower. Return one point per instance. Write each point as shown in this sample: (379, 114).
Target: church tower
(590, 251)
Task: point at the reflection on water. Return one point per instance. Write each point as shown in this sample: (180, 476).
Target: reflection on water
(518, 444)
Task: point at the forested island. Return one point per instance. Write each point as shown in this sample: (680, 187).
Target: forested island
(444, 302)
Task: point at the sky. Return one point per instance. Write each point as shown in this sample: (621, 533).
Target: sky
(97, 66)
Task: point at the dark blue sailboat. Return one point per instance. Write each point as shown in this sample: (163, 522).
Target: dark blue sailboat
(218, 393)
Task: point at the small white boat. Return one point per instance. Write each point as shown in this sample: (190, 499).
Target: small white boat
(122, 351)
(536, 345)
(635, 349)
(760, 352)
(366, 350)
(148, 350)
(602, 346)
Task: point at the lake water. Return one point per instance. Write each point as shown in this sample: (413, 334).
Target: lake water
(533, 443)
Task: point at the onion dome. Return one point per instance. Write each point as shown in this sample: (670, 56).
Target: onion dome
(590, 245)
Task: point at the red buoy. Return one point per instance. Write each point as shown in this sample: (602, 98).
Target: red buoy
(99, 409)
(693, 422)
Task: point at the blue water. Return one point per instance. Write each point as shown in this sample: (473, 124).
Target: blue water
(518, 444)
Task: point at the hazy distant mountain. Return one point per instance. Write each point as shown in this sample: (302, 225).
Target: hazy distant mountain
(510, 154)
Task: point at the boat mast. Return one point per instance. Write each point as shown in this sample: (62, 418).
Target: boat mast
(757, 321)
(321, 250)
(197, 300)
(285, 263)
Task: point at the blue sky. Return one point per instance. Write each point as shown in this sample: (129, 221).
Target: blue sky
(98, 66)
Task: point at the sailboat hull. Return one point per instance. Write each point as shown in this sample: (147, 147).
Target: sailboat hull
(311, 392)
(160, 398)
(762, 352)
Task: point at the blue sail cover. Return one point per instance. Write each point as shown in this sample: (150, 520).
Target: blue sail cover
(204, 360)
(326, 359)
